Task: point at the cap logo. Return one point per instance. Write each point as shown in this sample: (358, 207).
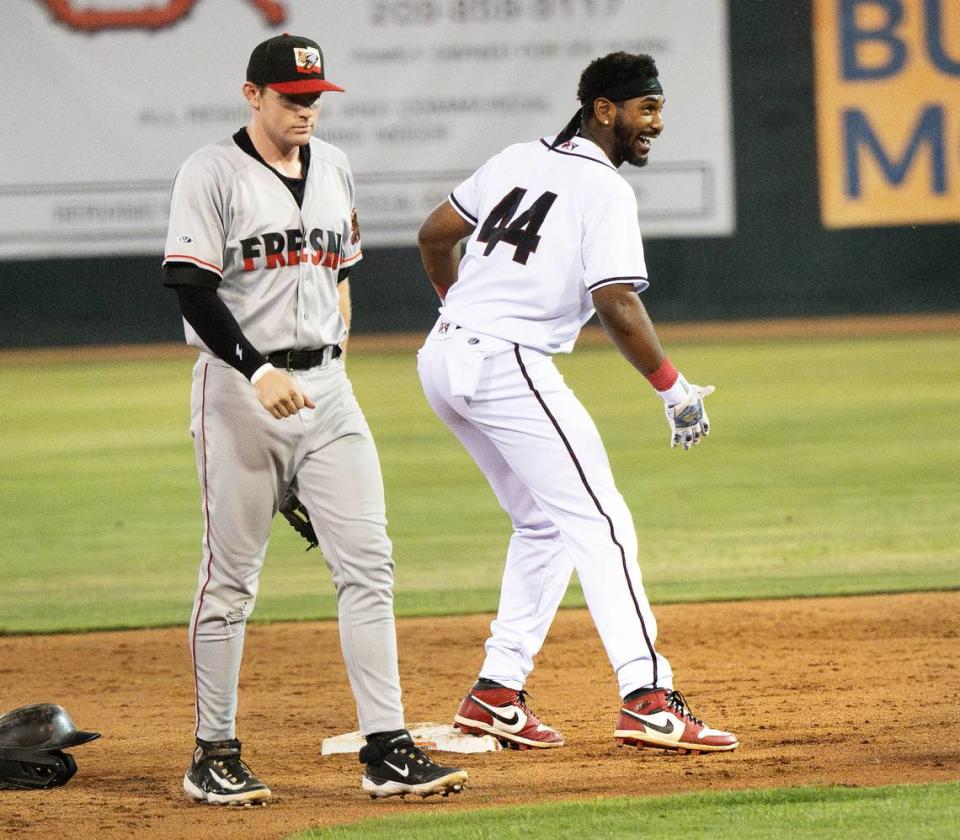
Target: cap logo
(307, 60)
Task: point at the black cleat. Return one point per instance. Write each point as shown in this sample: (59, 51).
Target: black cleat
(218, 775)
(401, 768)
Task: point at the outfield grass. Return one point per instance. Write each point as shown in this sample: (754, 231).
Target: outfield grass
(903, 811)
(832, 469)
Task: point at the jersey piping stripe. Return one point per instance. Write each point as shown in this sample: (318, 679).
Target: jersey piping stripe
(206, 516)
(459, 208)
(351, 259)
(629, 278)
(577, 154)
(596, 501)
(188, 258)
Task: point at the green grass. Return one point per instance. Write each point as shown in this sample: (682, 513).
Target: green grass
(832, 469)
(903, 811)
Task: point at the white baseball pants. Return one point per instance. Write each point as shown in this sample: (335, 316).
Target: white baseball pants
(543, 457)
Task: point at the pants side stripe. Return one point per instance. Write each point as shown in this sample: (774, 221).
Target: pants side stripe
(596, 501)
(206, 516)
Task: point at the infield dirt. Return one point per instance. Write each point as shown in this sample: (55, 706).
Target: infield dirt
(841, 691)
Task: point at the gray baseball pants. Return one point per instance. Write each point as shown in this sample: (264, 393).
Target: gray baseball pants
(246, 460)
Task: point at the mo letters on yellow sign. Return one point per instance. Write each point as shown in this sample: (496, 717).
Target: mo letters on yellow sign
(888, 111)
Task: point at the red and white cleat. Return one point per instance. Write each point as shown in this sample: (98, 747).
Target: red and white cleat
(661, 718)
(503, 713)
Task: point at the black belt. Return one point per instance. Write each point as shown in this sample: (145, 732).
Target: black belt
(303, 359)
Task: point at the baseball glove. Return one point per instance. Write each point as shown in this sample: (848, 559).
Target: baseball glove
(296, 514)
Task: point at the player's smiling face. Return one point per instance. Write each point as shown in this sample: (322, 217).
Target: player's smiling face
(637, 123)
(289, 118)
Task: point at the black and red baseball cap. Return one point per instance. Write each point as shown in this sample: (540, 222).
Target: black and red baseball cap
(289, 64)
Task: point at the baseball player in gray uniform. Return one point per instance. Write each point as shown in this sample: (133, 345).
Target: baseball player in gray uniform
(553, 237)
(263, 233)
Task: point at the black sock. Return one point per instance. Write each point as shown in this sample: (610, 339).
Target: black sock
(385, 737)
(381, 744)
(484, 684)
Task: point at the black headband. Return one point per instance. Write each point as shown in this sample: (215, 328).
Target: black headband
(620, 92)
(629, 89)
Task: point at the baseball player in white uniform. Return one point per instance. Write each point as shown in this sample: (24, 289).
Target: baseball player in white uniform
(553, 237)
(262, 235)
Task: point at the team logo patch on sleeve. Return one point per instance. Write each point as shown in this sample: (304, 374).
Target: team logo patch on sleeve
(184, 239)
(307, 60)
(354, 227)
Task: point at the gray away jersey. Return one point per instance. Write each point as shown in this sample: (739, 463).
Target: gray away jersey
(232, 215)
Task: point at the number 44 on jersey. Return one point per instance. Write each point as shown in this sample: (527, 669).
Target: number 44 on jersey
(523, 231)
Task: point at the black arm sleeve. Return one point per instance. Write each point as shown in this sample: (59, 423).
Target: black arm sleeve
(203, 310)
(188, 274)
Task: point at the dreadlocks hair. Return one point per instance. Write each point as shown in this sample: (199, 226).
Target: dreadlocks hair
(603, 73)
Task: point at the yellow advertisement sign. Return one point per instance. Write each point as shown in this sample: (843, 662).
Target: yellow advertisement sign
(888, 111)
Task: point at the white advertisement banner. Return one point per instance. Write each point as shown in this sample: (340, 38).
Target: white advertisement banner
(106, 98)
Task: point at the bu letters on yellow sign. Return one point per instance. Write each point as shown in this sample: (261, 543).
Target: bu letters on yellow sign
(888, 111)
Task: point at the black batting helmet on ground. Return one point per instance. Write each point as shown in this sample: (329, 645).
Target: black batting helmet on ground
(32, 740)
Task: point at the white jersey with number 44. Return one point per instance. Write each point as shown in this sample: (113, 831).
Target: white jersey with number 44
(552, 226)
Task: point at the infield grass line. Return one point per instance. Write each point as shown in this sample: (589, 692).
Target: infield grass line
(909, 812)
(810, 484)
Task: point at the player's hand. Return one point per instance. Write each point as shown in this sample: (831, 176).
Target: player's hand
(279, 394)
(688, 420)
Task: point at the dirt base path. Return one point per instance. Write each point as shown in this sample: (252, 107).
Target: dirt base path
(849, 691)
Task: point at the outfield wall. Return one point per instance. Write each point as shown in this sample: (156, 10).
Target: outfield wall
(841, 205)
